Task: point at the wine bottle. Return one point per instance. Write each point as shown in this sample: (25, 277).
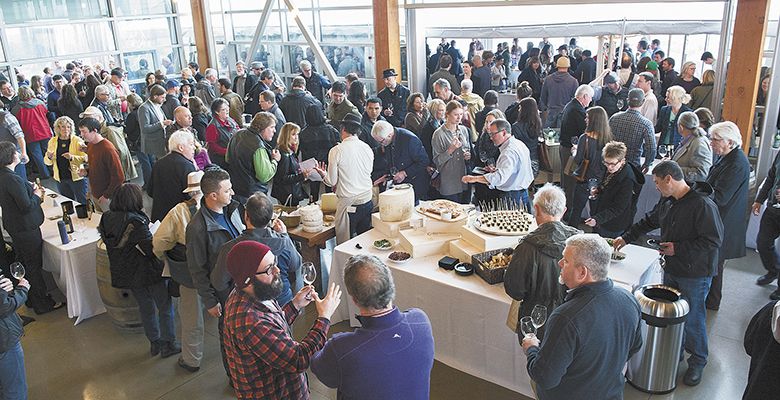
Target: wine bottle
(67, 220)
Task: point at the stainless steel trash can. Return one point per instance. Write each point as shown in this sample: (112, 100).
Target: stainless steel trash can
(654, 368)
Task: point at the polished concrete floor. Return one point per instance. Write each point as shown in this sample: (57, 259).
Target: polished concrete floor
(95, 361)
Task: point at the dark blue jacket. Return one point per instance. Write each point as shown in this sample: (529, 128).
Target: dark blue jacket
(389, 357)
(21, 207)
(11, 329)
(397, 99)
(407, 153)
(580, 359)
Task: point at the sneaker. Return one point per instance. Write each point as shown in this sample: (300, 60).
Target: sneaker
(693, 376)
(154, 348)
(169, 348)
(766, 279)
(187, 367)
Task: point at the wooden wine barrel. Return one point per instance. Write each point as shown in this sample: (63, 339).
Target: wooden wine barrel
(120, 303)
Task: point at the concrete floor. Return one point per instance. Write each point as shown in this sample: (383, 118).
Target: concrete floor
(95, 361)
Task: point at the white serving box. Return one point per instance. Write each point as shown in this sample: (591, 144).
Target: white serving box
(486, 242)
(420, 244)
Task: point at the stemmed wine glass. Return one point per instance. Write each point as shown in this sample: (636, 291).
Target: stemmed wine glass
(662, 151)
(17, 270)
(539, 315)
(309, 274)
(593, 183)
(527, 327)
(574, 141)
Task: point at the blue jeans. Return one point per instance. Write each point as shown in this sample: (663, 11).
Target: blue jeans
(360, 220)
(156, 309)
(694, 291)
(35, 151)
(13, 382)
(76, 190)
(147, 162)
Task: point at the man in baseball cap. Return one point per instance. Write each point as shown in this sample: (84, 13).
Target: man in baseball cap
(257, 335)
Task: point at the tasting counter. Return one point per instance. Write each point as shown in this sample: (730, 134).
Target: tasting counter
(468, 315)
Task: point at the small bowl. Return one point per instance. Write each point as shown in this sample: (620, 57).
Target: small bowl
(399, 261)
(392, 244)
(464, 269)
(291, 221)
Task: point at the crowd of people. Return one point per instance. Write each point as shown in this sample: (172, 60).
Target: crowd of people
(216, 154)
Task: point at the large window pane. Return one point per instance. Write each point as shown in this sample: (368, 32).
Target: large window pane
(235, 5)
(244, 26)
(293, 31)
(342, 3)
(138, 64)
(298, 54)
(145, 33)
(18, 11)
(59, 40)
(346, 59)
(142, 7)
(342, 26)
(30, 69)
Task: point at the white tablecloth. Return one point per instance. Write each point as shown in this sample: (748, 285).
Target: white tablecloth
(74, 264)
(468, 315)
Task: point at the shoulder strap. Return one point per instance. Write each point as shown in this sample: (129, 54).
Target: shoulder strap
(629, 81)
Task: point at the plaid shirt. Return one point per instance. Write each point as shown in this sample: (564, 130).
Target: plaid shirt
(264, 360)
(636, 132)
(10, 126)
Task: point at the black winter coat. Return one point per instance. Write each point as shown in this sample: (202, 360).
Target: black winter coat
(615, 205)
(129, 246)
(169, 179)
(693, 224)
(730, 179)
(764, 352)
(288, 181)
(318, 137)
(21, 207)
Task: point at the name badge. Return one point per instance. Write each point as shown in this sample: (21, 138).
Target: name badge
(351, 209)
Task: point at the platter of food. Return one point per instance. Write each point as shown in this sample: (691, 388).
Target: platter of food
(506, 222)
(383, 244)
(443, 210)
(616, 255)
(399, 257)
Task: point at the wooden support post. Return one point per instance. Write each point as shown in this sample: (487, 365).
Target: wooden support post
(747, 48)
(200, 24)
(387, 38)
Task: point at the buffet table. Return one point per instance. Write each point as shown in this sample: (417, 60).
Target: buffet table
(467, 314)
(73, 265)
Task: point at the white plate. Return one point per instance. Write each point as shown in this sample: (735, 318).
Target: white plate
(614, 253)
(384, 248)
(399, 261)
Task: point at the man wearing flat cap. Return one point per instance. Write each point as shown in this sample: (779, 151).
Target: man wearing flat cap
(611, 96)
(394, 97)
(349, 172)
(264, 360)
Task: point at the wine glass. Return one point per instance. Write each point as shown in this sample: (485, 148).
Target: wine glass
(539, 315)
(527, 327)
(309, 274)
(593, 183)
(17, 270)
(662, 151)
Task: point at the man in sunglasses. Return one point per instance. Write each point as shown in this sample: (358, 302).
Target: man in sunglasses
(264, 360)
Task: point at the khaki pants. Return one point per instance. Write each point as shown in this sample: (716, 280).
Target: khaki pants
(191, 314)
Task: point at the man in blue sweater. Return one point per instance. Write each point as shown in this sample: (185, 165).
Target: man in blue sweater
(597, 322)
(391, 356)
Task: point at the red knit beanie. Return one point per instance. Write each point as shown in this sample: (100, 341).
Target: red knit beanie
(243, 260)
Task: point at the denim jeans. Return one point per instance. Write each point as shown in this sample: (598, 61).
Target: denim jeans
(156, 309)
(694, 291)
(147, 162)
(360, 220)
(76, 190)
(35, 151)
(13, 382)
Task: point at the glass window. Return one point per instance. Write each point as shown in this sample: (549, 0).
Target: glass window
(298, 54)
(346, 59)
(59, 40)
(14, 12)
(340, 26)
(142, 7)
(145, 33)
(675, 50)
(341, 3)
(224, 59)
(293, 31)
(30, 69)
(244, 26)
(256, 5)
(190, 55)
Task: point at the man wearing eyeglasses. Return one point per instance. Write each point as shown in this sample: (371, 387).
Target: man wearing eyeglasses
(265, 361)
(512, 174)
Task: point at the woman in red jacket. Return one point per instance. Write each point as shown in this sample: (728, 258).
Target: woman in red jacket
(219, 131)
(31, 113)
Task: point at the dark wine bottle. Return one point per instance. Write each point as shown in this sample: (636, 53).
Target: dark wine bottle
(67, 220)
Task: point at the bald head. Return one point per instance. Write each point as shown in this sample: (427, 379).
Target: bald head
(183, 116)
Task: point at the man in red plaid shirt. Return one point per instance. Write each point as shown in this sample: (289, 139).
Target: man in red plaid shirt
(264, 360)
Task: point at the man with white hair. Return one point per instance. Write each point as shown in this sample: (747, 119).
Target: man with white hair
(169, 174)
(474, 104)
(513, 173)
(532, 275)
(316, 84)
(580, 359)
(205, 88)
(405, 159)
(572, 126)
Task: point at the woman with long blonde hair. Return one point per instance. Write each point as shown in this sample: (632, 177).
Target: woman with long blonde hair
(64, 154)
(676, 104)
(686, 79)
(289, 176)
